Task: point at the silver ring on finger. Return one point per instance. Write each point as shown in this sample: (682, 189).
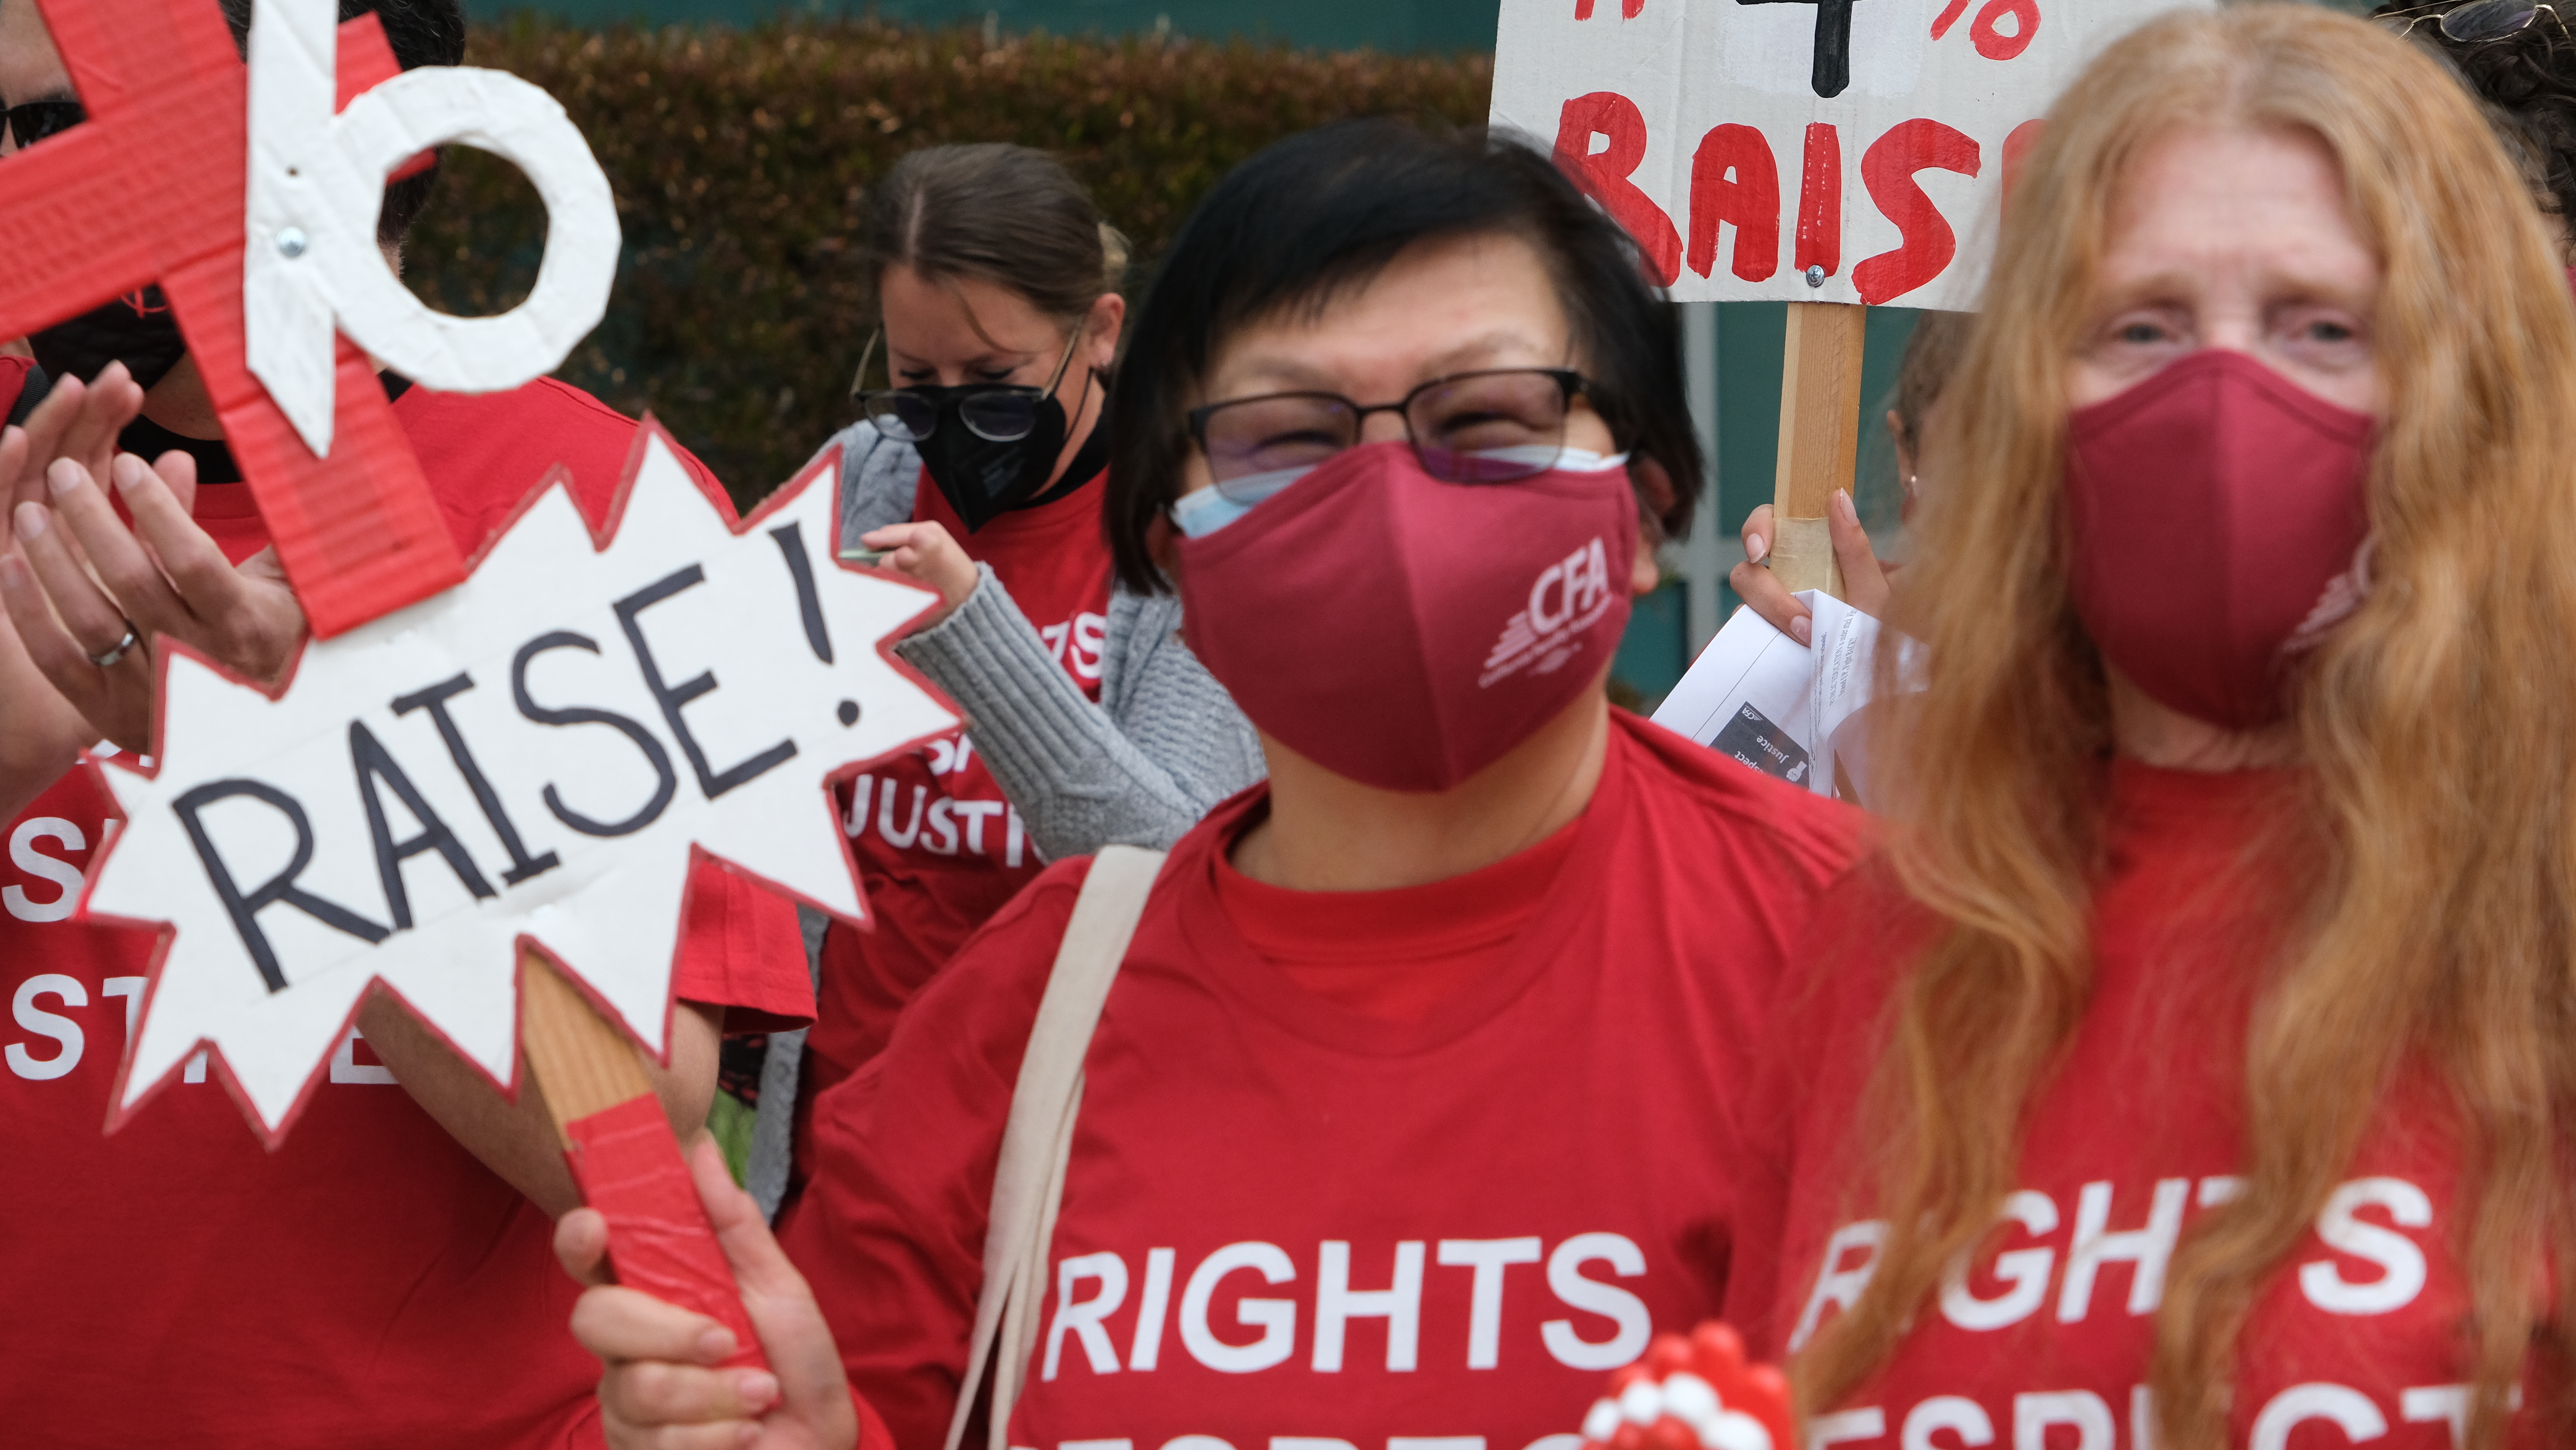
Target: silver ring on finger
(106, 659)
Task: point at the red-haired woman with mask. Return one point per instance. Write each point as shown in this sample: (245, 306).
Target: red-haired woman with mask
(2195, 1069)
(979, 471)
(1389, 1124)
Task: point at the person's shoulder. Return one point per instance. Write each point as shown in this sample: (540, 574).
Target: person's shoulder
(988, 993)
(499, 445)
(548, 404)
(1812, 836)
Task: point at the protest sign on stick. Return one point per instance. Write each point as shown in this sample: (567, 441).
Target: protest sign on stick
(1754, 147)
(481, 791)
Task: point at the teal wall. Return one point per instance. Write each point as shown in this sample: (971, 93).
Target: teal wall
(1397, 25)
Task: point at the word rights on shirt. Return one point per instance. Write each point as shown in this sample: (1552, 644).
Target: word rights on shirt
(2064, 1265)
(1123, 1313)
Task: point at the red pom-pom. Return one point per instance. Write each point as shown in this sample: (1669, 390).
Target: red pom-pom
(1718, 1352)
(1671, 1434)
(1763, 1393)
(1670, 1354)
(1629, 1437)
(1627, 1375)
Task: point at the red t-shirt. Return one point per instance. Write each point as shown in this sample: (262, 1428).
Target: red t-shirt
(2048, 1338)
(1393, 955)
(1286, 1218)
(939, 847)
(369, 1283)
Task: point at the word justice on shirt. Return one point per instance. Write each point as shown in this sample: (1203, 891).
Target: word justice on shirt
(2065, 1261)
(944, 825)
(962, 810)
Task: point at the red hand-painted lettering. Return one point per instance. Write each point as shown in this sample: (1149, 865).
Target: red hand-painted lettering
(1734, 179)
(1820, 202)
(1604, 175)
(1887, 169)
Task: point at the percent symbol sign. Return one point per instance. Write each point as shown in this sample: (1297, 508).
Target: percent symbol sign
(169, 103)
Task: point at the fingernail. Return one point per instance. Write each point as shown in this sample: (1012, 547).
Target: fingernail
(1755, 546)
(715, 1344)
(746, 1435)
(1843, 506)
(64, 476)
(1804, 628)
(128, 471)
(755, 1389)
(30, 519)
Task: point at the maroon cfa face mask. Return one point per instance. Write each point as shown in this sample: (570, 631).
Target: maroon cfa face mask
(2218, 519)
(1405, 632)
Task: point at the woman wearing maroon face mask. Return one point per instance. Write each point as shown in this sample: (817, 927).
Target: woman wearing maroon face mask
(2196, 1069)
(1392, 1124)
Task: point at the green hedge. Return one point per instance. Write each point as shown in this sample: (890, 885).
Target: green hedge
(739, 159)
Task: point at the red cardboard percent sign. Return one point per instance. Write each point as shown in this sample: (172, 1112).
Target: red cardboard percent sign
(151, 189)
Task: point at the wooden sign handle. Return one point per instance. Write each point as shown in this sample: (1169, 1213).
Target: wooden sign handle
(624, 1155)
(1819, 438)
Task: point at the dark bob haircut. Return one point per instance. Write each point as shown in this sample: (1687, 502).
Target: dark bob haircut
(1322, 212)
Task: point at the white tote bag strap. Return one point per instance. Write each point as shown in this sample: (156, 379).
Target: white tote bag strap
(1037, 1139)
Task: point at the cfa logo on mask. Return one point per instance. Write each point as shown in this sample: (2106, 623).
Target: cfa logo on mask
(1566, 599)
(317, 181)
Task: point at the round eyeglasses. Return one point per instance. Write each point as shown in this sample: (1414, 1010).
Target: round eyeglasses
(1489, 426)
(2478, 20)
(994, 412)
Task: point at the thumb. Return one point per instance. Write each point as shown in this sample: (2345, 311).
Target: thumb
(581, 1246)
(782, 1306)
(1864, 582)
(1757, 534)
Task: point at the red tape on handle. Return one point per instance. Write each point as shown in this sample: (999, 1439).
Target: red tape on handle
(629, 1167)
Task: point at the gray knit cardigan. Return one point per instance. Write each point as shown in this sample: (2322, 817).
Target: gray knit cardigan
(1139, 768)
(1164, 743)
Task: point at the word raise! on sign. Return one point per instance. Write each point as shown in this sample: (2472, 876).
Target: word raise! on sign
(536, 757)
(1727, 135)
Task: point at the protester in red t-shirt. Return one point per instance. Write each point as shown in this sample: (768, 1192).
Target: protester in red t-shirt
(980, 472)
(381, 1278)
(1392, 1131)
(2195, 1069)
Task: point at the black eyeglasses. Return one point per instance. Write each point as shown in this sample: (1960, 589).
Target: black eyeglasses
(1490, 426)
(2477, 20)
(994, 412)
(36, 120)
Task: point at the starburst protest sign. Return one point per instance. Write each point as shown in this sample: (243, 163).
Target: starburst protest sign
(532, 759)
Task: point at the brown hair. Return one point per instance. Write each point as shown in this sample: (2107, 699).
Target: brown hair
(1005, 214)
(1931, 356)
(2438, 929)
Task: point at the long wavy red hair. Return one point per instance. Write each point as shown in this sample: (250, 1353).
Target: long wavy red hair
(2439, 925)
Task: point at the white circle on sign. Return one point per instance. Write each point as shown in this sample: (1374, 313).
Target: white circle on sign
(512, 119)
